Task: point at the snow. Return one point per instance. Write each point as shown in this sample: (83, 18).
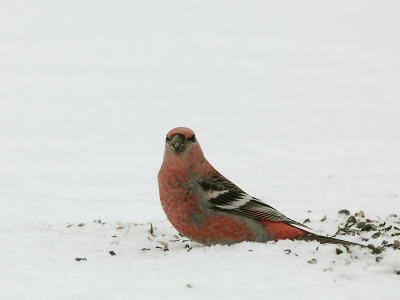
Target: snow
(295, 102)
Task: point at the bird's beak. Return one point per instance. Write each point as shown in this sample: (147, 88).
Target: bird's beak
(178, 142)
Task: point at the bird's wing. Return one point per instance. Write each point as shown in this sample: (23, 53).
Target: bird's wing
(225, 196)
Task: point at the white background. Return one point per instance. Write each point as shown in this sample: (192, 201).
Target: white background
(298, 103)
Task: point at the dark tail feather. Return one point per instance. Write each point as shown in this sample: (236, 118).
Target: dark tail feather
(329, 240)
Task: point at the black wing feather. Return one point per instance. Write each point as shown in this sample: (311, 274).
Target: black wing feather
(226, 196)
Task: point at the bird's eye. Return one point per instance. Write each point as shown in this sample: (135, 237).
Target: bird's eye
(192, 138)
(167, 139)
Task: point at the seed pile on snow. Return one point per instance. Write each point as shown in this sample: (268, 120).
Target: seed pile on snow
(160, 239)
(381, 231)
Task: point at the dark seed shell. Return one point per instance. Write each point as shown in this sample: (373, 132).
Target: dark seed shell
(352, 219)
(361, 224)
(312, 261)
(377, 250)
(376, 235)
(388, 228)
(368, 227)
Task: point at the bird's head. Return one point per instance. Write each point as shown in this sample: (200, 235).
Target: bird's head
(180, 140)
(183, 152)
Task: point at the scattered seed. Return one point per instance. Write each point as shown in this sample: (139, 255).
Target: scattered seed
(112, 253)
(344, 212)
(364, 239)
(312, 261)
(323, 218)
(396, 228)
(187, 246)
(145, 249)
(309, 211)
(384, 242)
(376, 235)
(151, 229)
(163, 243)
(396, 242)
(392, 216)
(69, 225)
(352, 219)
(185, 241)
(398, 272)
(306, 221)
(113, 236)
(361, 224)
(360, 214)
(158, 247)
(181, 234)
(79, 259)
(120, 227)
(377, 250)
(370, 246)
(189, 249)
(329, 269)
(287, 251)
(378, 259)
(189, 285)
(394, 246)
(250, 250)
(387, 228)
(367, 227)
(338, 251)
(81, 224)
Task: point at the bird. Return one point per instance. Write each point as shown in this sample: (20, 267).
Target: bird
(206, 207)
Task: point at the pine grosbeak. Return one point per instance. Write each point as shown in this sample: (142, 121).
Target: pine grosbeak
(206, 207)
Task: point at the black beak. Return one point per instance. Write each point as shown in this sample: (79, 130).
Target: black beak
(177, 142)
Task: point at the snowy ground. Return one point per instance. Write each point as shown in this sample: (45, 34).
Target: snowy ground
(298, 103)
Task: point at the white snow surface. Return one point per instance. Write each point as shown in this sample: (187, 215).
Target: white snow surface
(298, 103)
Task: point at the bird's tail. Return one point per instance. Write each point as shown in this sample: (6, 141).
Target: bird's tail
(325, 239)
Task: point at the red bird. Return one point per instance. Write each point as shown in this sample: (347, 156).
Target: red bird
(206, 207)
